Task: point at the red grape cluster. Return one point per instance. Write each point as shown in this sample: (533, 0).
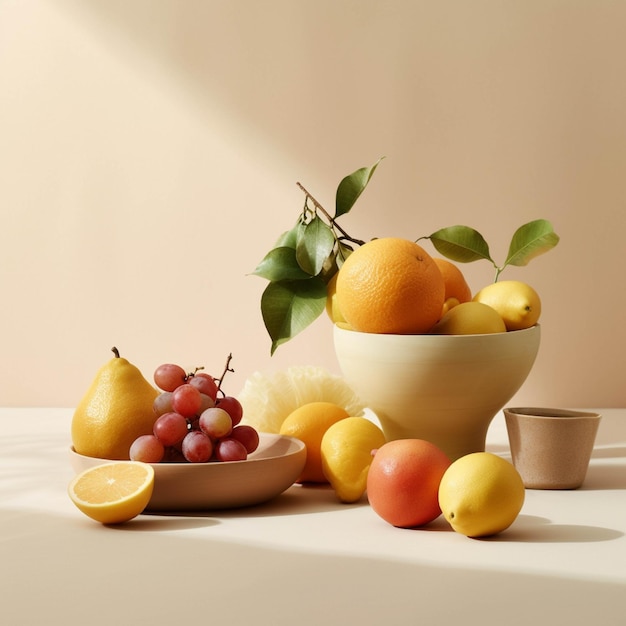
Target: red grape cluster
(195, 424)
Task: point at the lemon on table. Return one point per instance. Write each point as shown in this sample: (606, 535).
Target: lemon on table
(481, 494)
(309, 423)
(517, 303)
(114, 492)
(347, 448)
(469, 318)
(267, 399)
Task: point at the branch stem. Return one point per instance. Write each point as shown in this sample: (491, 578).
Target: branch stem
(330, 219)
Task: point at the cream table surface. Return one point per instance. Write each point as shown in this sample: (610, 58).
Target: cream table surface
(303, 558)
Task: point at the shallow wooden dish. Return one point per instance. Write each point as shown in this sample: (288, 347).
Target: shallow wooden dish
(273, 467)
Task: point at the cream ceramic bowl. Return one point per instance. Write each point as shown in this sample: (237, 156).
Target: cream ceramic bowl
(442, 388)
(273, 467)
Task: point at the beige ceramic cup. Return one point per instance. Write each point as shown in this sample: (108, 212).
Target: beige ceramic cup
(551, 448)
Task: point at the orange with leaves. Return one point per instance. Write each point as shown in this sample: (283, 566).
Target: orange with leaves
(392, 286)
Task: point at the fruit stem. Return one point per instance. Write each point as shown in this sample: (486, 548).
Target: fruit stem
(116, 352)
(330, 219)
(192, 374)
(227, 369)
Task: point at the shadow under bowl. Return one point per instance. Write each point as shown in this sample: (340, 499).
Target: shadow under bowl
(443, 388)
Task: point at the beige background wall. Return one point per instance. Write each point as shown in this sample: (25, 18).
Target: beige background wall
(149, 152)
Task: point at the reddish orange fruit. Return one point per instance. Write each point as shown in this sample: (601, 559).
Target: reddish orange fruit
(403, 482)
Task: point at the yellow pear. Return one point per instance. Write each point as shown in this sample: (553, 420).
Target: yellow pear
(116, 409)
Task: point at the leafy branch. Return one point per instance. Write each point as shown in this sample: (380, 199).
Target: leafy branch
(331, 220)
(464, 244)
(306, 257)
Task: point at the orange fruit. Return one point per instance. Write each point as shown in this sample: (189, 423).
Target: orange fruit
(457, 289)
(403, 482)
(309, 423)
(390, 285)
(113, 493)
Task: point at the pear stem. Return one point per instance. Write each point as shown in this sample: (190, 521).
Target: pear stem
(116, 352)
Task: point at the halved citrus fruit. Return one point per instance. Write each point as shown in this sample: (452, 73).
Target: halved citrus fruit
(267, 399)
(113, 493)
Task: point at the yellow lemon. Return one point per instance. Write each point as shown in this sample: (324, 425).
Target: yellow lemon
(309, 423)
(346, 449)
(116, 409)
(469, 318)
(113, 493)
(450, 303)
(267, 399)
(517, 303)
(481, 494)
(332, 307)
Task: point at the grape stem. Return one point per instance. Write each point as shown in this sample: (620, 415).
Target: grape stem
(192, 374)
(227, 368)
(331, 220)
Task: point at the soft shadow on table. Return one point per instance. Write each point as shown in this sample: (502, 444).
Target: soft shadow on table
(24, 520)
(170, 523)
(609, 452)
(604, 476)
(148, 574)
(297, 500)
(535, 529)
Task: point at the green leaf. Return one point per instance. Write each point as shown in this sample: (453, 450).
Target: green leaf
(460, 243)
(529, 241)
(280, 264)
(343, 253)
(351, 187)
(289, 238)
(288, 307)
(315, 244)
